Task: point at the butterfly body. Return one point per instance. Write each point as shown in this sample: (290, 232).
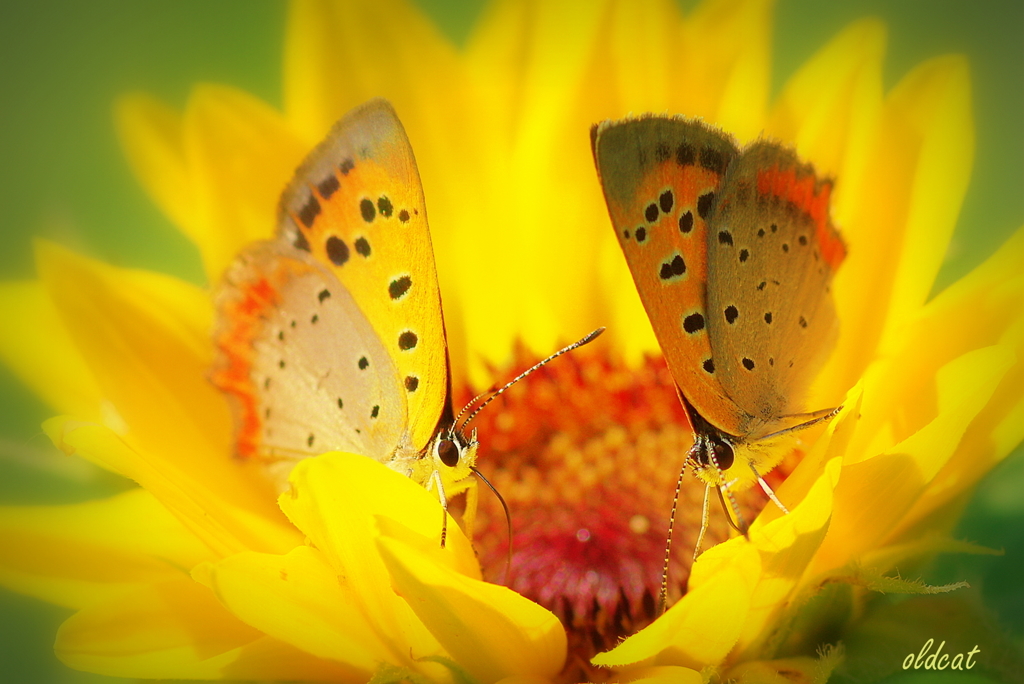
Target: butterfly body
(733, 254)
(331, 336)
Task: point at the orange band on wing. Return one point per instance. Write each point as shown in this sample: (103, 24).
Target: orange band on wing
(784, 183)
(235, 341)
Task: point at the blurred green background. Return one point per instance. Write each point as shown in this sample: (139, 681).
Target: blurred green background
(62, 64)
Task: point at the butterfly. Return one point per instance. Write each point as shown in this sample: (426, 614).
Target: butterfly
(331, 335)
(733, 253)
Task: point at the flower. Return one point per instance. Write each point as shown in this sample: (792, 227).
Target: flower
(202, 573)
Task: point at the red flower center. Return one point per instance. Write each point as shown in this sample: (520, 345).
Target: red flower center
(586, 452)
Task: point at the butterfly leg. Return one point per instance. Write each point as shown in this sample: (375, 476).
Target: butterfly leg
(436, 477)
(740, 525)
(703, 521)
(469, 516)
(668, 540)
(768, 490)
(807, 420)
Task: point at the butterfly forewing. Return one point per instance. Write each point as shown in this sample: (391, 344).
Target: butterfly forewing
(357, 205)
(660, 177)
(771, 257)
(301, 362)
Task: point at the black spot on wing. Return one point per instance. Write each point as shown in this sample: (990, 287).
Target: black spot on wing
(672, 268)
(686, 155)
(367, 209)
(399, 286)
(300, 241)
(686, 222)
(666, 201)
(712, 160)
(310, 210)
(408, 340)
(337, 250)
(328, 186)
(704, 204)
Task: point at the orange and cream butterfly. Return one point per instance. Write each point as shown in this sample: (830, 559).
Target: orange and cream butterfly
(733, 253)
(330, 337)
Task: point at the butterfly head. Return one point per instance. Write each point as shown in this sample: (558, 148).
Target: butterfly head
(453, 454)
(712, 453)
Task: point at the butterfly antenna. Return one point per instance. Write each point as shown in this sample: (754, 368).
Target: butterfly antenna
(668, 540)
(508, 520)
(471, 402)
(579, 343)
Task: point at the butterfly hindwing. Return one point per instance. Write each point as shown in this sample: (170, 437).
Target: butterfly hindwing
(356, 205)
(303, 366)
(771, 255)
(660, 177)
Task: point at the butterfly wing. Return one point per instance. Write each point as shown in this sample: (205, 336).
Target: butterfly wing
(303, 367)
(356, 205)
(772, 252)
(660, 176)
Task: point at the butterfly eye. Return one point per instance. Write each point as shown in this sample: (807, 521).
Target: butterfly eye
(448, 452)
(724, 455)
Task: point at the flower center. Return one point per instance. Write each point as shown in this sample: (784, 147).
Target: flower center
(587, 455)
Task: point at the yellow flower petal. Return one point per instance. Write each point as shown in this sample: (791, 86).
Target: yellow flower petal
(904, 203)
(535, 172)
(224, 527)
(241, 153)
(681, 636)
(524, 679)
(992, 299)
(784, 671)
(934, 99)
(664, 674)
(787, 545)
(151, 136)
(81, 554)
(336, 500)
(875, 493)
(731, 41)
(35, 345)
(490, 630)
(177, 629)
(829, 107)
(299, 599)
(338, 55)
(145, 337)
